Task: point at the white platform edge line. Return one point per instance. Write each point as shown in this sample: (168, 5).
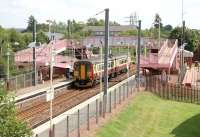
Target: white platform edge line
(41, 90)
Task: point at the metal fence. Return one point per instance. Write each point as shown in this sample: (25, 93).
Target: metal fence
(82, 116)
(171, 91)
(17, 82)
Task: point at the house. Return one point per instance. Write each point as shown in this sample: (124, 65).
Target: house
(114, 30)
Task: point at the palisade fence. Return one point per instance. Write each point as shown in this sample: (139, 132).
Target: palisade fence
(17, 82)
(88, 113)
(172, 91)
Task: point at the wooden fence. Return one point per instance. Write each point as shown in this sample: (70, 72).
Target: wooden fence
(172, 91)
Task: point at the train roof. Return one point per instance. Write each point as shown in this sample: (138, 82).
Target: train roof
(98, 59)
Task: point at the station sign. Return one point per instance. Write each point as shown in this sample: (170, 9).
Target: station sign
(50, 94)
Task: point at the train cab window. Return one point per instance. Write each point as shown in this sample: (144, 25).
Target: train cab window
(76, 66)
(88, 67)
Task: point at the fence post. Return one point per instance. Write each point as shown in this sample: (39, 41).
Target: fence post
(115, 98)
(159, 88)
(104, 105)
(97, 114)
(78, 124)
(187, 94)
(184, 95)
(110, 102)
(197, 95)
(120, 95)
(52, 132)
(175, 93)
(191, 94)
(124, 90)
(167, 91)
(181, 93)
(100, 108)
(88, 117)
(67, 126)
(170, 90)
(172, 94)
(132, 86)
(127, 88)
(24, 80)
(16, 83)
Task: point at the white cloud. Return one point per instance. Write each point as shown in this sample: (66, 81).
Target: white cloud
(14, 13)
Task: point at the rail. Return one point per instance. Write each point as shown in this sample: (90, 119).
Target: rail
(126, 84)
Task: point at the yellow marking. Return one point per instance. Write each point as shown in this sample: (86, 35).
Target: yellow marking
(82, 71)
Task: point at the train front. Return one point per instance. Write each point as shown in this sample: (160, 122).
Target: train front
(83, 74)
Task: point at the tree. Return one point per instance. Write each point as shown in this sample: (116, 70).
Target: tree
(93, 22)
(31, 19)
(191, 37)
(168, 27)
(101, 22)
(157, 21)
(41, 37)
(10, 126)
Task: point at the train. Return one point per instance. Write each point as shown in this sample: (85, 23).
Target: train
(88, 72)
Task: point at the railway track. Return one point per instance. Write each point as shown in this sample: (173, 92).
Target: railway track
(39, 113)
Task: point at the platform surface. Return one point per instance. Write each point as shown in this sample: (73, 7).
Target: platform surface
(23, 93)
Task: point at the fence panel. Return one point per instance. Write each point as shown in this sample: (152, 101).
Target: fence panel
(172, 91)
(17, 82)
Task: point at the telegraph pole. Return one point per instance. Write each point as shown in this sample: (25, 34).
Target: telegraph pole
(182, 51)
(138, 55)
(106, 58)
(34, 54)
(8, 65)
(159, 33)
(69, 29)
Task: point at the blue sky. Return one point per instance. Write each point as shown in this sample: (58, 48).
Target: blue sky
(14, 13)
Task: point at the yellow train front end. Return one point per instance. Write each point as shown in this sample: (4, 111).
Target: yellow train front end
(83, 74)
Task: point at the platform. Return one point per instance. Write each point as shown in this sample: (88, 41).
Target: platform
(34, 90)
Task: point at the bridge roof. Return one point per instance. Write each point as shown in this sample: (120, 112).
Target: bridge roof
(43, 54)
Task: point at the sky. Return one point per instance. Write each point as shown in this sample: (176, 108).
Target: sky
(15, 13)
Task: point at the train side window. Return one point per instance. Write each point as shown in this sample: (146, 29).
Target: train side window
(102, 66)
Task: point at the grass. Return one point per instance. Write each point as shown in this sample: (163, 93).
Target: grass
(150, 116)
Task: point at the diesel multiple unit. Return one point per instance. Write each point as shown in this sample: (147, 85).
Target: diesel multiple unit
(89, 72)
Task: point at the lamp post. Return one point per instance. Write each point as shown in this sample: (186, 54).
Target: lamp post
(106, 58)
(50, 22)
(182, 60)
(51, 78)
(138, 54)
(159, 33)
(8, 65)
(34, 54)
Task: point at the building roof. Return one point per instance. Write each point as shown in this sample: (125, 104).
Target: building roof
(111, 28)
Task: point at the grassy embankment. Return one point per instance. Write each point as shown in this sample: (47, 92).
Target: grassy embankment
(150, 116)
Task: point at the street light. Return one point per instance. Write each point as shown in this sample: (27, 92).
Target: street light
(8, 64)
(51, 78)
(181, 56)
(50, 22)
